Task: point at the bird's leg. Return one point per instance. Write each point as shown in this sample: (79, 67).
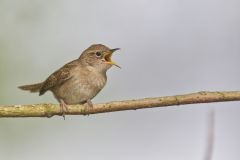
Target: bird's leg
(90, 104)
(63, 108)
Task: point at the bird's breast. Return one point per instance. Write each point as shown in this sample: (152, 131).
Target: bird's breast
(80, 88)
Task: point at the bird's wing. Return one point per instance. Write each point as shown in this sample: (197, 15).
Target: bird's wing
(58, 77)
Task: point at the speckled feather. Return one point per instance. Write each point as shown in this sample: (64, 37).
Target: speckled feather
(58, 77)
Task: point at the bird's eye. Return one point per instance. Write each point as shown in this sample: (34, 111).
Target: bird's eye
(98, 54)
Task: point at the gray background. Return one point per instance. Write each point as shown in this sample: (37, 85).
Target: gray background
(168, 47)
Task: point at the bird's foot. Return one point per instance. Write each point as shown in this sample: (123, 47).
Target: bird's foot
(89, 105)
(63, 108)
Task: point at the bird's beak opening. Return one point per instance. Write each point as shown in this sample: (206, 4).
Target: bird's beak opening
(108, 56)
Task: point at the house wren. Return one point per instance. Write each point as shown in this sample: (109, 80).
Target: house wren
(78, 81)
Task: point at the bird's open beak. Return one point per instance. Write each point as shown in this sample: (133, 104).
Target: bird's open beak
(108, 56)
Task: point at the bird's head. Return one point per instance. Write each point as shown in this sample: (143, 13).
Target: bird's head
(98, 56)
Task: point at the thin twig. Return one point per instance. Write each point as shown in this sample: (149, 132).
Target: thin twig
(210, 136)
(49, 110)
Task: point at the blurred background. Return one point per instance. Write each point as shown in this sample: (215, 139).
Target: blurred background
(168, 47)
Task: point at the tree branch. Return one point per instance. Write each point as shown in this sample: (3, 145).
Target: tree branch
(49, 110)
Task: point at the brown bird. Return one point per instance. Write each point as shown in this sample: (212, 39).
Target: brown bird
(78, 81)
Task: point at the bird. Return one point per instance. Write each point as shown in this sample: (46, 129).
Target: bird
(80, 80)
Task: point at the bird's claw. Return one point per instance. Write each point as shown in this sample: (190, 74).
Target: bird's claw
(63, 108)
(90, 104)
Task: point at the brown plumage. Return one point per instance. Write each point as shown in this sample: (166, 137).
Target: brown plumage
(32, 87)
(78, 81)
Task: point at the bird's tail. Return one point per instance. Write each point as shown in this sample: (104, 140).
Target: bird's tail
(32, 87)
